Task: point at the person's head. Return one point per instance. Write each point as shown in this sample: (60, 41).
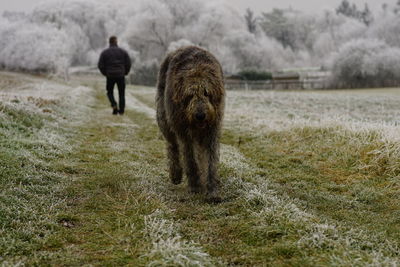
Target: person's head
(113, 40)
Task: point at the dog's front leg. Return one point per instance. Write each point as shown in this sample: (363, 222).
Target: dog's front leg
(213, 182)
(192, 170)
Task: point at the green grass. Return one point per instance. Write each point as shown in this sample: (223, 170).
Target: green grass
(305, 196)
(332, 175)
(30, 185)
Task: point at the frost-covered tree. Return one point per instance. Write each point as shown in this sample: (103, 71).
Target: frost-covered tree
(347, 9)
(77, 29)
(366, 63)
(366, 15)
(75, 32)
(88, 23)
(291, 28)
(276, 25)
(13, 16)
(350, 10)
(251, 20)
(385, 7)
(32, 47)
(396, 8)
(386, 28)
(247, 51)
(217, 20)
(159, 23)
(332, 32)
(304, 30)
(385, 66)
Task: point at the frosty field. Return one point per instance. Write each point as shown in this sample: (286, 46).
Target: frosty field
(309, 179)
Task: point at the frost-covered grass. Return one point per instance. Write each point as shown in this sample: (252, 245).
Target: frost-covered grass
(367, 120)
(34, 137)
(116, 210)
(334, 241)
(317, 173)
(306, 180)
(335, 153)
(168, 247)
(277, 110)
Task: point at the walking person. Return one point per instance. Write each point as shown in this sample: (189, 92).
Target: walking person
(115, 64)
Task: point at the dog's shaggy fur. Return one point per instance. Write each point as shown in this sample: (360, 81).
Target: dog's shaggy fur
(190, 103)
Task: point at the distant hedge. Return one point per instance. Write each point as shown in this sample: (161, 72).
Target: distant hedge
(253, 75)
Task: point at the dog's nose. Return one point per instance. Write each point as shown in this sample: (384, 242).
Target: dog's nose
(200, 116)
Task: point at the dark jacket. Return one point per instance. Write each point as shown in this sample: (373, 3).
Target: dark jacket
(114, 62)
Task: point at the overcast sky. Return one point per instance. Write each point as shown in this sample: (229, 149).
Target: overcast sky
(309, 6)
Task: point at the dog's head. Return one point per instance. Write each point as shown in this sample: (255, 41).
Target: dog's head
(200, 109)
(200, 95)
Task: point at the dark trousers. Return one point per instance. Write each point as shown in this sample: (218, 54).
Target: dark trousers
(120, 81)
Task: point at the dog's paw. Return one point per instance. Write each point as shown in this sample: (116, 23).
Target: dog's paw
(195, 189)
(213, 197)
(176, 180)
(175, 177)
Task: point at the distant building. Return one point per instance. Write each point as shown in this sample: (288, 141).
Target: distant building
(301, 78)
(286, 79)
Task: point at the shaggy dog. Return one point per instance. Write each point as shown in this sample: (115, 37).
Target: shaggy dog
(190, 103)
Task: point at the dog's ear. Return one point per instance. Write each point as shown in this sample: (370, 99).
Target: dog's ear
(216, 90)
(176, 96)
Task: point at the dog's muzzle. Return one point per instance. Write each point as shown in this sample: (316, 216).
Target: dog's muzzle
(200, 116)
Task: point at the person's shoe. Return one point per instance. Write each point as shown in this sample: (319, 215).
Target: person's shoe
(115, 111)
(121, 112)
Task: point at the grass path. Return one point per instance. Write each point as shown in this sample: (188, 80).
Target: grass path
(116, 214)
(120, 209)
